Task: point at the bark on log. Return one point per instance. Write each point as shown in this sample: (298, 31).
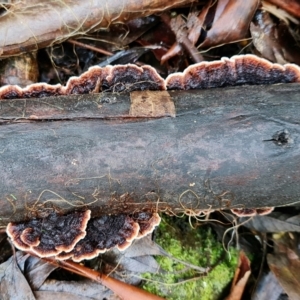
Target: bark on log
(229, 147)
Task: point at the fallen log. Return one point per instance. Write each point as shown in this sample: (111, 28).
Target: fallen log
(175, 151)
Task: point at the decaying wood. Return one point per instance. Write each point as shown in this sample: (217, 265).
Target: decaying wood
(229, 147)
(29, 25)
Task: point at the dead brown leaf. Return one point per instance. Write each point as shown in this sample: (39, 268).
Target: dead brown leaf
(291, 6)
(240, 279)
(13, 284)
(274, 41)
(230, 23)
(275, 222)
(285, 263)
(287, 271)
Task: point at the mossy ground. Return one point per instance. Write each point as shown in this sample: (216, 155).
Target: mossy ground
(199, 247)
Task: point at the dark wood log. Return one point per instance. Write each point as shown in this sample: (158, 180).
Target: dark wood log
(230, 147)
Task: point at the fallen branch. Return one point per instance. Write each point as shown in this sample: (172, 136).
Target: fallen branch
(230, 147)
(28, 27)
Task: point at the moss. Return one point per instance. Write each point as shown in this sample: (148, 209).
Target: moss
(198, 247)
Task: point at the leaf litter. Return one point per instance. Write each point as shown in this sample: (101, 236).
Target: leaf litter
(284, 260)
(275, 222)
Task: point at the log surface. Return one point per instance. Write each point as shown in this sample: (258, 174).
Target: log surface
(229, 147)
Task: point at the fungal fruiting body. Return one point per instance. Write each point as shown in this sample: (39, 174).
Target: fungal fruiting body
(49, 236)
(249, 212)
(238, 70)
(78, 236)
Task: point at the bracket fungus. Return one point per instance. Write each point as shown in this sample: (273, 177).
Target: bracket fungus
(237, 70)
(51, 235)
(78, 236)
(250, 212)
(106, 232)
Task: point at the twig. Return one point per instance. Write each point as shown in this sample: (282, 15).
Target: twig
(124, 290)
(182, 38)
(99, 50)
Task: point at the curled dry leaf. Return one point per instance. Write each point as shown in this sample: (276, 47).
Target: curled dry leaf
(274, 41)
(276, 222)
(33, 26)
(217, 23)
(230, 23)
(285, 264)
(291, 6)
(240, 279)
(13, 284)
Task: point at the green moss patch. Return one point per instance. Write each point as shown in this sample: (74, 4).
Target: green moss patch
(198, 247)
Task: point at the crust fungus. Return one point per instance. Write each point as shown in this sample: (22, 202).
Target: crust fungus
(77, 236)
(51, 235)
(147, 222)
(117, 78)
(249, 212)
(238, 70)
(106, 232)
(88, 82)
(133, 78)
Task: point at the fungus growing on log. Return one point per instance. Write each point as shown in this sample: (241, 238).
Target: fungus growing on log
(250, 212)
(77, 236)
(127, 78)
(51, 235)
(238, 70)
(147, 222)
(106, 232)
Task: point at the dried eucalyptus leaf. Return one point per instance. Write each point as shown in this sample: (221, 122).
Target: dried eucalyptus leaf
(273, 223)
(84, 290)
(13, 284)
(287, 272)
(144, 246)
(37, 271)
(59, 295)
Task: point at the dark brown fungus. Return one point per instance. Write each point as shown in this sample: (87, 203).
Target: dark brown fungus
(36, 90)
(133, 78)
(30, 236)
(41, 90)
(14, 231)
(88, 82)
(77, 236)
(11, 92)
(238, 70)
(51, 235)
(147, 222)
(244, 212)
(104, 233)
(264, 211)
(249, 212)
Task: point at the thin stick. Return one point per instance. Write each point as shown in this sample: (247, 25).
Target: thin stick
(124, 290)
(99, 50)
(182, 39)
